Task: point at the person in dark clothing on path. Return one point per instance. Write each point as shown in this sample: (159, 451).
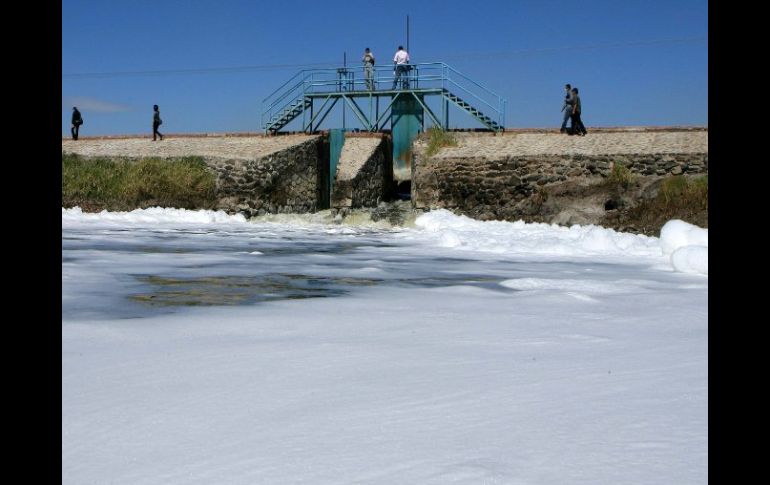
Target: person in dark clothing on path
(156, 122)
(567, 108)
(77, 120)
(577, 124)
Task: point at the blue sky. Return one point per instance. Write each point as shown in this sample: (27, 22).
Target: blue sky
(635, 62)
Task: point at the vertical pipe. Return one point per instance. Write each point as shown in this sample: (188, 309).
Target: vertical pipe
(407, 33)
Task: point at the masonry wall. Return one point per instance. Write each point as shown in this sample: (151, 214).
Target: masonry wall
(486, 176)
(286, 181)
(254, 174)
(499, 184)
(364, 174)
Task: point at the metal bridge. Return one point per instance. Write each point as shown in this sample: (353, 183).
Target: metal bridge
(313, 94)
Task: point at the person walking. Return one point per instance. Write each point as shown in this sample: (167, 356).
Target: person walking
(77, 120)
(567, 108)
(368, 61)
(401, 63)
(156, 122)
(577, 124)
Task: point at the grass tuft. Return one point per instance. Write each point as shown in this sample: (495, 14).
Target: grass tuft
(438, 139)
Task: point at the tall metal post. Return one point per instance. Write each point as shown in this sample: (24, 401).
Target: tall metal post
(407, 34)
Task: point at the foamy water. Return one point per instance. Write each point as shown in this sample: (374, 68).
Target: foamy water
(199, 347)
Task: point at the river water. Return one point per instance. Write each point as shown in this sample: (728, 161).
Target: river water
(203, 348)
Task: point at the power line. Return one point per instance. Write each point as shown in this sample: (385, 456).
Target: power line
(202, 70)
(466, 56)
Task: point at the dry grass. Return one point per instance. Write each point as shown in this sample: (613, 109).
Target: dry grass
(96, 184)
(438, 139)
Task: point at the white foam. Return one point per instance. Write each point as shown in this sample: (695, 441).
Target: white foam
(691, 259)
(445, 229)
(687, 245)
(386, 383)
(677, 233)
(151, 216)
(520, 238)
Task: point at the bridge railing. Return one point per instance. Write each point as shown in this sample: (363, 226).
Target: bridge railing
(429, 76)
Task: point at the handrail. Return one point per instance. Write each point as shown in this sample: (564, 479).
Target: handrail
(474, 82)
(473, 95)
(270, 109)
(426, 75)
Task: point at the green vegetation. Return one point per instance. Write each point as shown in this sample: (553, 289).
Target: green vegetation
(437, 139)
(96, 184)
(620, 177)
(680, 191)
(678, 197)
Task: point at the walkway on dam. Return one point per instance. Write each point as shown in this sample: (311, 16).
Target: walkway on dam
(470, 145)
(487, 145)
(222, 147)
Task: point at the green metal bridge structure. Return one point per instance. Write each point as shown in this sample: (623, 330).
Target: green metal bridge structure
(381, 103)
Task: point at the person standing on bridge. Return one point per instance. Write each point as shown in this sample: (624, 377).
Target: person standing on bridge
(156, 122)
(368, 60)
(577, 124)
(401, 62)
(567, 108)
(77, 120)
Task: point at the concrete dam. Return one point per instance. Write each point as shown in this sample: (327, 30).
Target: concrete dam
(486, 175)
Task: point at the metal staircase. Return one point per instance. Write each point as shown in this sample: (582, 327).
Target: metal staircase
(484, 119)
(313, 93)
(287, 115)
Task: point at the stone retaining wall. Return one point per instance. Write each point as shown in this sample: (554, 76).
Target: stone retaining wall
(512, 180)
(282, 182)
(254, 175)
(486, 176)
(364, 176)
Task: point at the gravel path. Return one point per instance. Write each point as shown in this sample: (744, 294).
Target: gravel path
(488, 145)
(231, 148)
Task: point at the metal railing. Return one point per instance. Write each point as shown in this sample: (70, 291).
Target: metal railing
(429, 77)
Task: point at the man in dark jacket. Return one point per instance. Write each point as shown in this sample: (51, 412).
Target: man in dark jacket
(156, 122)
(77, 120)
(577, 124)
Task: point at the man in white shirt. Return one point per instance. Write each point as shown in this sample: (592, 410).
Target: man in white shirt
(401, 62)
